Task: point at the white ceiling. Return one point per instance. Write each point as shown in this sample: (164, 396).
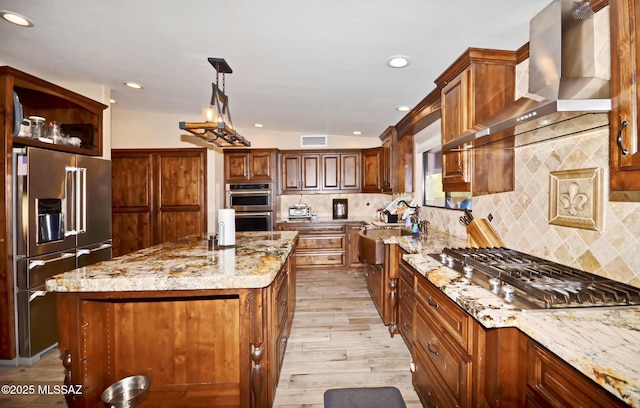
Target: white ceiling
(302, 66)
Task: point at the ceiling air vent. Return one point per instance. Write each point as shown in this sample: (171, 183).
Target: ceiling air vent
(313, 141)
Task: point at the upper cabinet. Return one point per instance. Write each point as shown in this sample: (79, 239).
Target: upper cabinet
(300, 172)
(476, 86)
(79, 118)
(319, 171)
(341, 172)
(624, 160)
(242, 165)
(396, 161)
(372, 170)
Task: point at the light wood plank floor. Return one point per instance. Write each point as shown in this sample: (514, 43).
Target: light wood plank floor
(337, 340)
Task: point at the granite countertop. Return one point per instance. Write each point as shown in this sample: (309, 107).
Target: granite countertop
(186, 264)
(355, 219)
(603, 344)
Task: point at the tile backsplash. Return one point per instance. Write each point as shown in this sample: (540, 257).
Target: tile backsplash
(359, 205)
(521, 217)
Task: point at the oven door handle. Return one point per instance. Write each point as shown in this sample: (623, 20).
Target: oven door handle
(242, 214)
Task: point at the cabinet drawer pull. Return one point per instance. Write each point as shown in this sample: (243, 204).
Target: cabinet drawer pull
(432, 350)
(429, 402)
(623, 151)
(432, 303)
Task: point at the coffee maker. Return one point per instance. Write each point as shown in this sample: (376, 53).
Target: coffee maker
(340, 209)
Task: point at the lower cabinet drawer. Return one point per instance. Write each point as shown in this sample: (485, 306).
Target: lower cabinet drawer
(322, 243)
(453, 366)
(427, 384)
(321, 259)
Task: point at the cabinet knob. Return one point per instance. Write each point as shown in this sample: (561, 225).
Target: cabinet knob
(623, 151)
(432, 303)
(432, 350)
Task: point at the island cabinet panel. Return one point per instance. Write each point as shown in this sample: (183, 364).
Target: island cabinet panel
(220, 347)
(624, 147)
(158, 195)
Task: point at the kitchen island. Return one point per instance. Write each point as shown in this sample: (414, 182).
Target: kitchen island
(208, 327)
(599, 343)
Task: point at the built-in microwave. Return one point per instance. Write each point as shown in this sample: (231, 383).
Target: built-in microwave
(250, 197)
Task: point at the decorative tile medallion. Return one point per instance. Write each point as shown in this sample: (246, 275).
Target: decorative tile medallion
(576, 198)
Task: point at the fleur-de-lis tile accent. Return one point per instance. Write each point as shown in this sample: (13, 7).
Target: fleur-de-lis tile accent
(573, 201)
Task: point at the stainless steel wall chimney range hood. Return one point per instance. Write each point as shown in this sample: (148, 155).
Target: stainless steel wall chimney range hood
(568, 73)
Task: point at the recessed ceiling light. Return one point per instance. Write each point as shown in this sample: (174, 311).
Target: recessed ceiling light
(133, 85)
(258, 125)
(16, 18)
(403, 108)
(112, 101)
(398, 61)
(357, 132)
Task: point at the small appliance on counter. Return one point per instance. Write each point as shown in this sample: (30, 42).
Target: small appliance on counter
(299, 211)
(340, 209)
(226, 227)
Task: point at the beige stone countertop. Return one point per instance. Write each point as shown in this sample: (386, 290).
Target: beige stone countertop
(603, 344)
(186, 264)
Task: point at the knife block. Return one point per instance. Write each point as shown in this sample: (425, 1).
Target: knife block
(480, 234)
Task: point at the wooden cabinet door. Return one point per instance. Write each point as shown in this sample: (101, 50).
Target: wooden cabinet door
(386, 162)
(341, 171)
(455, 120)
(353, 243)
(372, 170)
(261, 165)
(132, 220)
(158, 195)
(291, 172)
(330, 171)
(300, 172)
(625, 96)
(181, 195)
(236, 166)
(455, 107)
(310, 172)
(456, 167)
(350, 171)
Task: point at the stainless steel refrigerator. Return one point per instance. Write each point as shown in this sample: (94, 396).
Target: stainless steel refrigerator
(62, 221)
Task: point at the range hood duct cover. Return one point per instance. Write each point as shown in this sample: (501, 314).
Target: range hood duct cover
(568, 73)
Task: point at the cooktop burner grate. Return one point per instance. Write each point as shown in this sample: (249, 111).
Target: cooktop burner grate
(556, 285)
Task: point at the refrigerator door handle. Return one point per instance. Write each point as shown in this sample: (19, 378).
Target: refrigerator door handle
(81, 252)
(72, 229)
(42, 262)
(81, 200)
(36, 293)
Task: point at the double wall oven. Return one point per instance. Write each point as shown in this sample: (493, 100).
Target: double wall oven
(254, 204)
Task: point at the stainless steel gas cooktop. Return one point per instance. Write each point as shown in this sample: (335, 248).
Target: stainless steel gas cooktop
(530, 283)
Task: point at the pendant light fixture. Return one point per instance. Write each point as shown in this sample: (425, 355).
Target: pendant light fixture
(217, 127)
